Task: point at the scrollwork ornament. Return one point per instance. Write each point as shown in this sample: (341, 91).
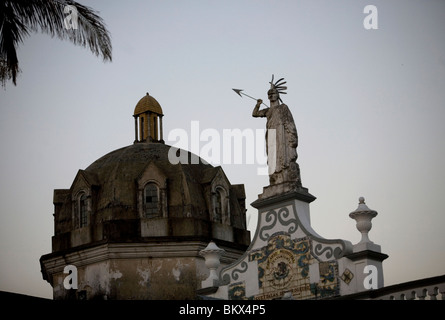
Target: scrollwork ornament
(236, 272)
(284, 213)
(270, 218)
(319, 250)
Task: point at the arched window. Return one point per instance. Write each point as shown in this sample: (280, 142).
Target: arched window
(151, 200)
(221, 211)
(218, 206)
(83, 210)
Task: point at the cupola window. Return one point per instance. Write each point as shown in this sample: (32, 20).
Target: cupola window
(151, 200)
(218, 206)
(83, 210)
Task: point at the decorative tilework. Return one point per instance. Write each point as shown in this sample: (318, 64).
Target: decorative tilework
(347, 276)
(237, 291)
(283, 266)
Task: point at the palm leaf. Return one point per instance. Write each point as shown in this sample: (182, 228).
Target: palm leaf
(19, 17)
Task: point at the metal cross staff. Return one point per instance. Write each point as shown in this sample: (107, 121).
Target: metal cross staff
(238, 91)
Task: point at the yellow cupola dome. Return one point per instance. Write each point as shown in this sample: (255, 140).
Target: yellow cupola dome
(148, 120)
(147, 104)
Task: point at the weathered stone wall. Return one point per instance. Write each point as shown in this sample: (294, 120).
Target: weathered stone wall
(133, 272)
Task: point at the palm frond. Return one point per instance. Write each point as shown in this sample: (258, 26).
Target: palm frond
(12, 31)
(91, 33)
(19, 17)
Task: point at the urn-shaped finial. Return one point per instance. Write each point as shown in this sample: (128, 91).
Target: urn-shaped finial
(363, 216)
(212, 255)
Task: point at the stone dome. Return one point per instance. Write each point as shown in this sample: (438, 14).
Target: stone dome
(109, 201)
(118, 173)
(140, 207)
(147, 103)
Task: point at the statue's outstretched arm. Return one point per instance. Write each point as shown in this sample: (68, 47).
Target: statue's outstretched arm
(257, 112)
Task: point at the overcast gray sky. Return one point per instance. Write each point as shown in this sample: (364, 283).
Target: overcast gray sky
(369, 107)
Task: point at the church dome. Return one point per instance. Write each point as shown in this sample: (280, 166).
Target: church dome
(121, 173)
(140, 207)
(139, 192)
(147, 104)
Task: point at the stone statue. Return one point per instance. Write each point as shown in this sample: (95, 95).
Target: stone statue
(281, 139)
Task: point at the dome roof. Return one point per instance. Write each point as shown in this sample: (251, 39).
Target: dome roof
(119, 190)
(147, 103)
(118, 172)
(149, 190)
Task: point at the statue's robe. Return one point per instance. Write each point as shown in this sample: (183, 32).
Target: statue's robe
(281, 144)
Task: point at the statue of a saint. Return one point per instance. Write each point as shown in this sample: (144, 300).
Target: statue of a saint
(281, 138)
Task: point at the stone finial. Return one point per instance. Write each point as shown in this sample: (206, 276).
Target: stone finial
(363, 216)
(212, 255)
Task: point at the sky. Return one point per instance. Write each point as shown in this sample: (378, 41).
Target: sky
(368, 104)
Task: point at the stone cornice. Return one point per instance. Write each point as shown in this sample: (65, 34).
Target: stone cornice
(367, 254)
(302, 195)
(55, 262)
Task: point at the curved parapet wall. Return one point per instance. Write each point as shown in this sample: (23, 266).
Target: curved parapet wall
(285, 256)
